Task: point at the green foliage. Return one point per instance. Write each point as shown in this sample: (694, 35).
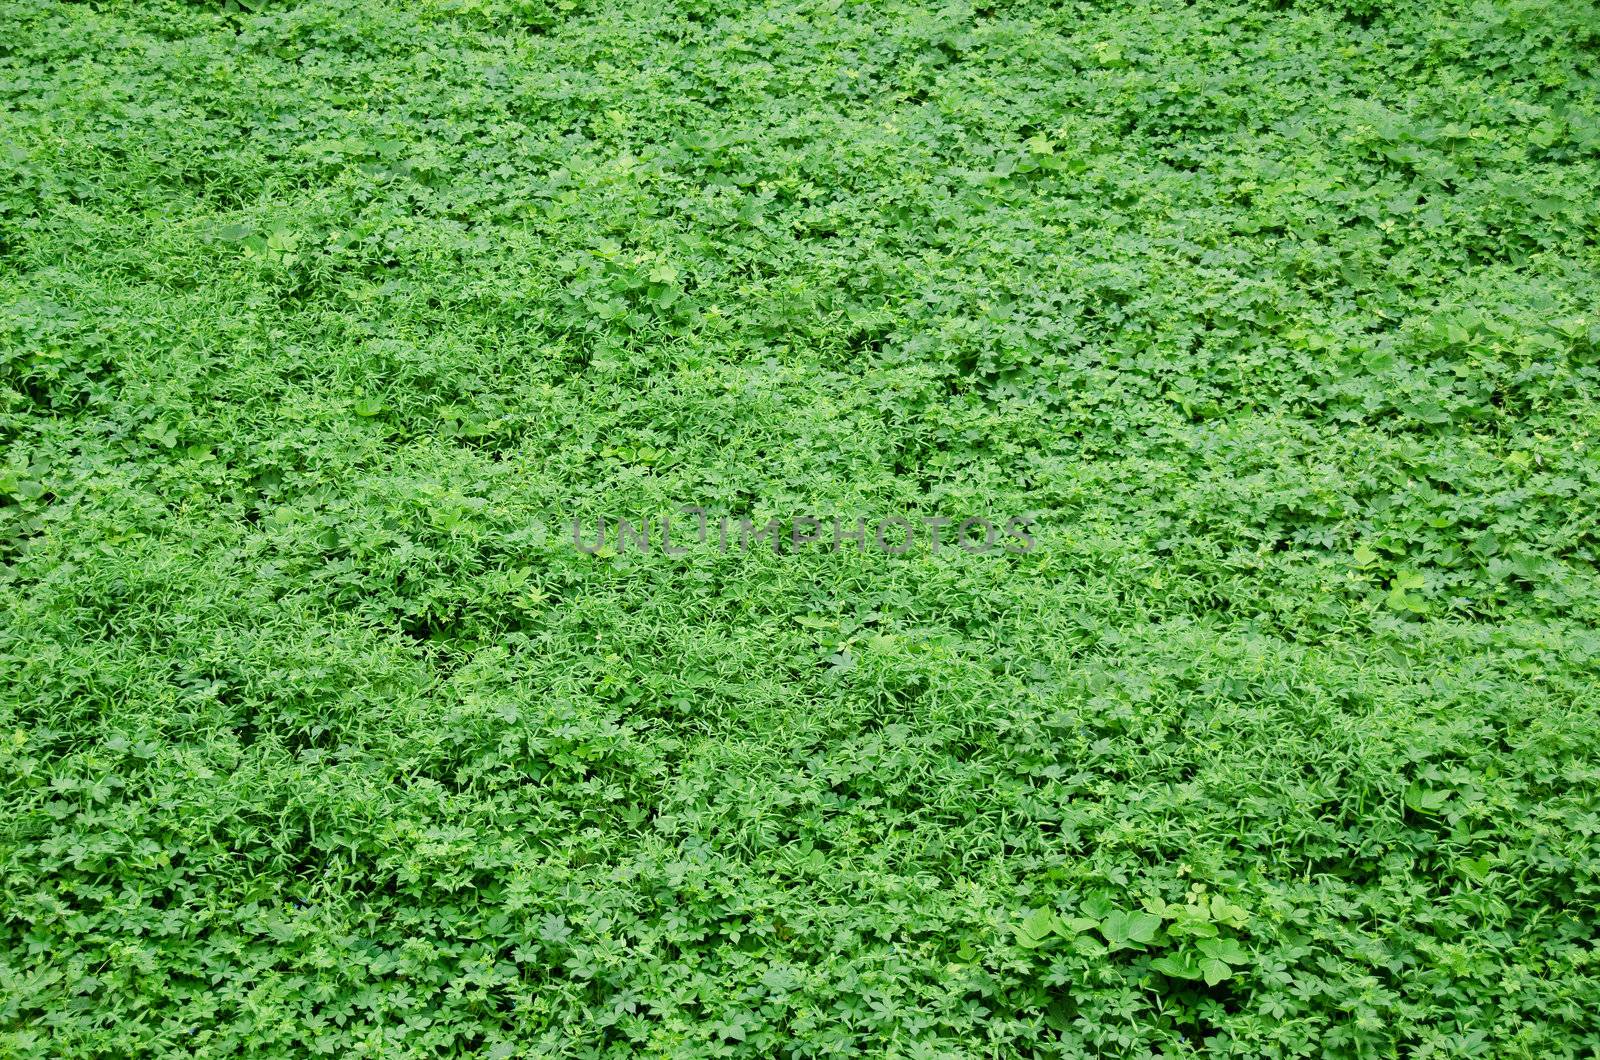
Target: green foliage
(1279, 314)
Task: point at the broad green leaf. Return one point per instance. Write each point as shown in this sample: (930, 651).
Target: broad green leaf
(1127, 930)
(1181, 966)
(1036, 927)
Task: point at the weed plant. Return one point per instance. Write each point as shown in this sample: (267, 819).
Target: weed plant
(319, 737)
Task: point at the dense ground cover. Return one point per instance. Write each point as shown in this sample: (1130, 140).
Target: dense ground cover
(1281, 319)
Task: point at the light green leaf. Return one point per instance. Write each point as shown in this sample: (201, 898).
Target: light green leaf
(1036, 927)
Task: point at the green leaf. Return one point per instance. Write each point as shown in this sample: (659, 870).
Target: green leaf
(1036, 927)
(1228, 913)
(1427, 800)
(1129, 930)
(1076, 925)
(1227, 950)
(1215, 971)
(1180, 966)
